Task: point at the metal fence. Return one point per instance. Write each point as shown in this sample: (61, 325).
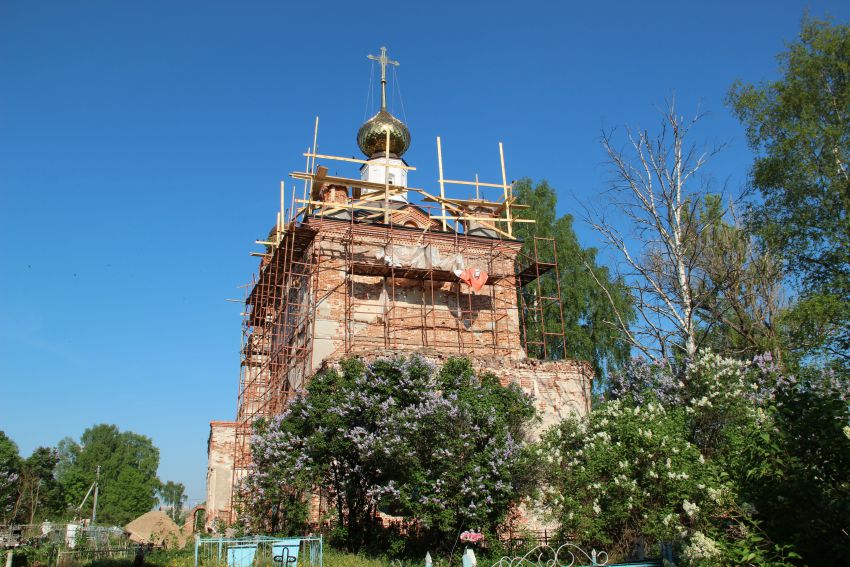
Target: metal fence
(72, 558)
(258, 550)
(68, 535)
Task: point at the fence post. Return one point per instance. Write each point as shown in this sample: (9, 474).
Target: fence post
(197, 542)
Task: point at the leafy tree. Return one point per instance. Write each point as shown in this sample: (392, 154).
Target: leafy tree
(173, 495)
(742, 310)
(586, 308)
(41, 495)
(128, 463)
(10, 468)
(444, 449)
(799, 126)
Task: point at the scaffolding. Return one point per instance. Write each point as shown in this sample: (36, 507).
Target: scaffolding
(330, 284)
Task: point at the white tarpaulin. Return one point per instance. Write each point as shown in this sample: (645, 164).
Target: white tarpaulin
(422, 257)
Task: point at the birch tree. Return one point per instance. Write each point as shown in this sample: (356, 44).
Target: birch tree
(657, 229)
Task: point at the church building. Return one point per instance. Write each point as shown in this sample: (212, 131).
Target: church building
(371, 265)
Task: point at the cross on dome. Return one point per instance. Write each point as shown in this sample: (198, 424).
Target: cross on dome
(384, 61)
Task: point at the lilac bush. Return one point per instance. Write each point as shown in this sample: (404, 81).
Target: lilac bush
(741, 462)
(442, 448)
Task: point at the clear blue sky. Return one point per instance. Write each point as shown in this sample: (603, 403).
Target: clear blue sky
(142, 144)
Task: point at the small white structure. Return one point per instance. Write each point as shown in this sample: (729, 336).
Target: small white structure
(376, 172)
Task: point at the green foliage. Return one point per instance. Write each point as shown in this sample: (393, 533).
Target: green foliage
(41, 495)
(173, 495)
(800, 127)
(10, 469)
(446, 448)
(737, 286)
(772, 455)
(587, 309)
(627, 472)
(795, 473)
(128, 481)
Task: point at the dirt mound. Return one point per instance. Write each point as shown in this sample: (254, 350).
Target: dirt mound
(157, 528)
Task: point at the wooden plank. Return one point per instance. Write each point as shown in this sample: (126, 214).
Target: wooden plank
(318, 182)
(340, 207)
(354, 160)
(348, 182)
(497, 205)
(483, 219)
(480, 183)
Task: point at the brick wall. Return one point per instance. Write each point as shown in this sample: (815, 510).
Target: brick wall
(220, 451)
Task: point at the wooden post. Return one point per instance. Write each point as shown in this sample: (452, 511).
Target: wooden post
(308, 181)
(282, 213)
(387, 179)
(442, 184)
(315, 148)
(506, 193)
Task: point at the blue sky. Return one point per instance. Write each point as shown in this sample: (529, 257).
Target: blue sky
(142, 145)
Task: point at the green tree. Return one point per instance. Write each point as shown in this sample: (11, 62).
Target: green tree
(173, 495)
(742, 309)
(799, 127)
(41, 495)
(588, 313)
(10, 472)
(128, 463)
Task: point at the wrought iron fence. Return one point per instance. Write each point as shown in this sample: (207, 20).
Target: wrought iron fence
(566, 555)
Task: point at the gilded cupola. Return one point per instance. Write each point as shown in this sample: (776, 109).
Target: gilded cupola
(372, 136)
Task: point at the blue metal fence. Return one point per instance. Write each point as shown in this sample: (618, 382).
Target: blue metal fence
(258, 550)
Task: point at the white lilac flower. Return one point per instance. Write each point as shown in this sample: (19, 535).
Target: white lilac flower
(700, 548)
(714, 494)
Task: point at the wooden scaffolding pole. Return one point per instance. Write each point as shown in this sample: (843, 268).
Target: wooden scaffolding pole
(442, 183)
(506, 191)
(387, 179)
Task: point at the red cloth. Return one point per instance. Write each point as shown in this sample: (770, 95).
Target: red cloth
(476, 279)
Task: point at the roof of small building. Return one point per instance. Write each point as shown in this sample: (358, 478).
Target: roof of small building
(155, 527)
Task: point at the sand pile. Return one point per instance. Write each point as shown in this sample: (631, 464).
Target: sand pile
(157, 528)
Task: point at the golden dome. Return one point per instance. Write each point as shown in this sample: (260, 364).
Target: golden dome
(372, 136)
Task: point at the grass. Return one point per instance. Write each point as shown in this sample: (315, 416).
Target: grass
(332, 558)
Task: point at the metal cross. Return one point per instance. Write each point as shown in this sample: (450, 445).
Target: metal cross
(384, 61)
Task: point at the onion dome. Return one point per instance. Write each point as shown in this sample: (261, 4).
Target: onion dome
(372, 136)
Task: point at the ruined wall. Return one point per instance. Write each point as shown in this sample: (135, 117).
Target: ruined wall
(220, 453)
